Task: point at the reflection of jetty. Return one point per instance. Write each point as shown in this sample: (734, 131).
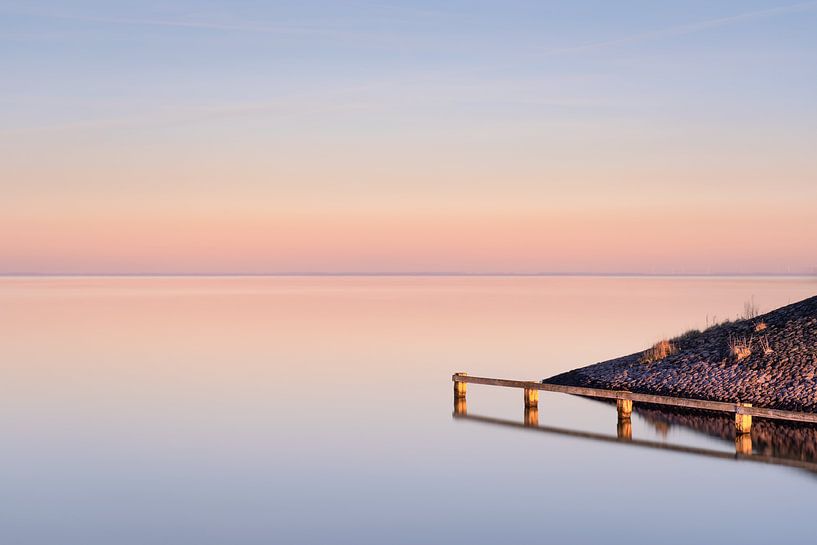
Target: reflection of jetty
(743, 442)
(743, 412)
(769, 437)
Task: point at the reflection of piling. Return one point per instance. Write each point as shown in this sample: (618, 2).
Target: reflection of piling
(743, 443)
(743, 422)
(531, 398)
(460, 406)
(532, 416)
(459, 387)
(624, 429)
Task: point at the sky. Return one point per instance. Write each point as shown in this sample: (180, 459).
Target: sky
(229, 137)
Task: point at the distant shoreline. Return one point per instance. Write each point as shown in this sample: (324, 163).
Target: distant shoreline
(409, 274)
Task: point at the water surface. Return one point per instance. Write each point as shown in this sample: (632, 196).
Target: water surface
(319, 410)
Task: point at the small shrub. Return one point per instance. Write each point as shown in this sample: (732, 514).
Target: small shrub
(739, 347)
(658, 351)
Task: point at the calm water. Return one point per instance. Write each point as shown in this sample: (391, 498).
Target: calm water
(319, 410)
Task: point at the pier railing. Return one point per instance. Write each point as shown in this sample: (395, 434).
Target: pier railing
(624, 401)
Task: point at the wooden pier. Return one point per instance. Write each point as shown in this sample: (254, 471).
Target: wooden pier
(624, 401)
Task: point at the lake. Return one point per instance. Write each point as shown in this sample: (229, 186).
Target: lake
(314, 410)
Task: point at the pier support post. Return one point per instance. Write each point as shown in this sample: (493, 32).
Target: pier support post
(531, 398)
(743, 422)
(531, 416)
(625, 408)
(624, 428)
(459, 387)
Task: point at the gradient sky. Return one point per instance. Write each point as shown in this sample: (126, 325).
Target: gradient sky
(517, 136)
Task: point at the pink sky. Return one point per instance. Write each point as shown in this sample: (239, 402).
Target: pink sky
(663, 139)
(699, 239)
(171, 206)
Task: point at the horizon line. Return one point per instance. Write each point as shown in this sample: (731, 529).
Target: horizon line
(401, 274)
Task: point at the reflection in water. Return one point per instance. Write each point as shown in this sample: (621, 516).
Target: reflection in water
(743, 443)
(624, 429)
(778, 443)
(532, 416)
(768, 438)
(460, 406)
(169, 410)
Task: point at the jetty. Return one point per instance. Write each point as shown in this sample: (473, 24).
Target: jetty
(743, 412)
(761, 366)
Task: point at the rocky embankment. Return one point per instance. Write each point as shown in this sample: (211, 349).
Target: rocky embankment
(768, 361)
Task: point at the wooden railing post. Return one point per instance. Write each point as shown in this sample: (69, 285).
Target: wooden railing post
(743, 422)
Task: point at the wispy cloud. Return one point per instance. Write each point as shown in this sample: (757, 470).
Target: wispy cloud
(370, 13)
(284, 107)
(408, 10)
(193, 24)
(689, 28)
(197, 22)
(426, 91)
(383, 95)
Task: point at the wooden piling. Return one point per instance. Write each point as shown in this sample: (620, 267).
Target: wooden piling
(531, 397)
(459, 387)
(743, 422)
(624, 428)
(625, 408)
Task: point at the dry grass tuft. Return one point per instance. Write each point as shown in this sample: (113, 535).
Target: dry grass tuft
(760, 326)
(764, 345)
(750, 309)
(658, 351)
(739, 347)
(714, 322)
